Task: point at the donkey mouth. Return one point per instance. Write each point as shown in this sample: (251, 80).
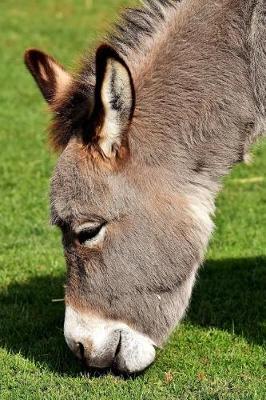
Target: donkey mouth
(117, 350)
(97, 371)
(133, 354)
(102, 343)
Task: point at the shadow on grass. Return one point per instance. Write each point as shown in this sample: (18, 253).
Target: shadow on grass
(32, 324)
(229, 295)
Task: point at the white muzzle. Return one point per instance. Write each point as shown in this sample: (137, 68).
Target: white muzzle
(103, 343)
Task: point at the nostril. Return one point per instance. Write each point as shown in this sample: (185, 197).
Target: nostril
(81, 350)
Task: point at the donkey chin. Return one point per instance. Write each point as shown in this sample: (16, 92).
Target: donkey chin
(102, 343)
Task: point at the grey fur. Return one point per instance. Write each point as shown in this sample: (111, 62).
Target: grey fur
(199, 71)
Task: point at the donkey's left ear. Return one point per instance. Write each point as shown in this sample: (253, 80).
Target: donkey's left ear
(114, 100)
(49, 75)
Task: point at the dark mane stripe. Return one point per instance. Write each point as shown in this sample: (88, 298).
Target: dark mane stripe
(138, 23)
(134, 26)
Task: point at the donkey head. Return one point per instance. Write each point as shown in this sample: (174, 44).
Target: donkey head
(131, 241)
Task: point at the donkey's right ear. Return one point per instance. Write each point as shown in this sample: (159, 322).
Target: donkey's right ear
(49, 75)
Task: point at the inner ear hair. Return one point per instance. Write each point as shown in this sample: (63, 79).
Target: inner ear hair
(104, 55)
(114, 100)
(49, 75)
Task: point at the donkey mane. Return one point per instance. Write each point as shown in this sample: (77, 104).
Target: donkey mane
(137, 23)
(133, 32)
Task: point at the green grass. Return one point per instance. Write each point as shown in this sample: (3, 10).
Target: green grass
(218, 351)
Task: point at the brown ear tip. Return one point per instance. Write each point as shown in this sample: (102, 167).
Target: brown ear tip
(31, 55)
(29, 52)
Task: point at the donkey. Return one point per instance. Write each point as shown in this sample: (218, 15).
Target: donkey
(146, 130)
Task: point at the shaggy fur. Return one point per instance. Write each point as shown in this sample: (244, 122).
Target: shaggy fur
(199, 74)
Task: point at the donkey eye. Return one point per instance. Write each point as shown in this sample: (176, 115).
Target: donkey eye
(89, 235)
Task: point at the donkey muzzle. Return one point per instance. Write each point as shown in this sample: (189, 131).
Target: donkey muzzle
(103, 343)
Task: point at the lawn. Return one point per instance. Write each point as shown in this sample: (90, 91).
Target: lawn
(219, 350)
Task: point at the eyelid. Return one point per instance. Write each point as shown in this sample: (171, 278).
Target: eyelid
(88, 225)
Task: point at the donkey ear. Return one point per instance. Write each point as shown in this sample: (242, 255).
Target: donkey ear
(49, 75)
(114, 99)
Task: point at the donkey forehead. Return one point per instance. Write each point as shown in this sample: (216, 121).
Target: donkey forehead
(78, 189)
